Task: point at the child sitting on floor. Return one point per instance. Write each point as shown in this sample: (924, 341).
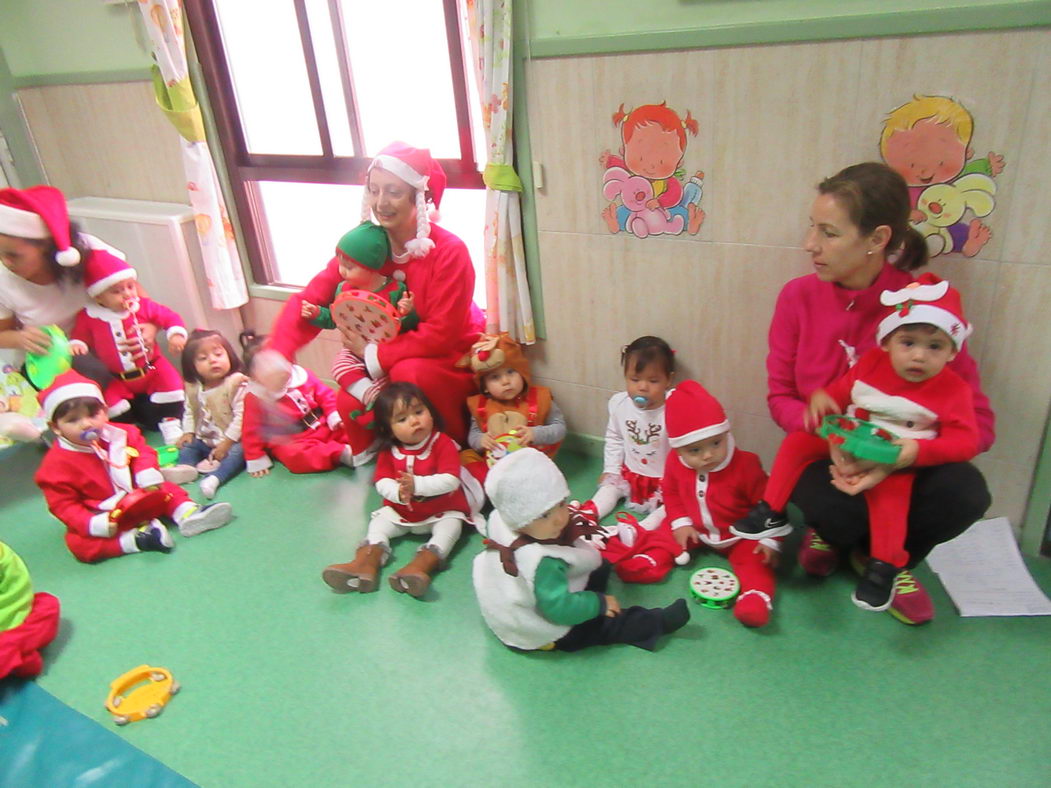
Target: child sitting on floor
(904, 387)
(539, 585)
(28, 621)
(290, 414)
(510, 411)
(215, 390)
(636, 439)
(93, 465)
(111, 329)
(418, 473)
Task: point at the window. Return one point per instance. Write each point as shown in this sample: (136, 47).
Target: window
(305, 92)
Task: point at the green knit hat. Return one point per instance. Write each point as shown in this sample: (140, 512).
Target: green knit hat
(367, 245)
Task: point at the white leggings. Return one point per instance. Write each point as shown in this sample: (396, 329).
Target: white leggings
(608, 495)
(444, 532)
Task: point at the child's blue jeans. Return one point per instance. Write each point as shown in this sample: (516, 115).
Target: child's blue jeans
(231, 465)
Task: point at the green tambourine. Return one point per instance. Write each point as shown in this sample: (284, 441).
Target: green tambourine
(861, 438)
(714, 587)
(42, 369)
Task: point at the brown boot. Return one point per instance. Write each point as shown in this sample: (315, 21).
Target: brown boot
(359, 574)
(415, 576)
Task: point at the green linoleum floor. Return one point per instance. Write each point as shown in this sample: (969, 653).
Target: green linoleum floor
(287, 684)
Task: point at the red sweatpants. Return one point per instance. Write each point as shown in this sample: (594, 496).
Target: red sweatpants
(20, 646)
(888, 501)
(312, 451)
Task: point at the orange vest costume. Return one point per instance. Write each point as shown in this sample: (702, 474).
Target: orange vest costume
(528, 410)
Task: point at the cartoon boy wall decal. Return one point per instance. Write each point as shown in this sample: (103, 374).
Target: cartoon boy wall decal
(928, 141)
(644, 184)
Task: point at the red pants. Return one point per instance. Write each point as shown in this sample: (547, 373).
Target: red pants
(90, 549)
(163, 384)
(888, 501)
(446, 386)
(749, 567)
(312, 451)
(20, 646)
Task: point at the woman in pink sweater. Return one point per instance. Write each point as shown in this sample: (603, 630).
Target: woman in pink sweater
(861, 244)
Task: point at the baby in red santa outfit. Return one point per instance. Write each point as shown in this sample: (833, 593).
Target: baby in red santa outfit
(93, 466)
(111, 329)
(904, 387)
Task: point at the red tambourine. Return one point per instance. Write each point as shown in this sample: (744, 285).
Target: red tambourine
(140, 506)
(370, 315)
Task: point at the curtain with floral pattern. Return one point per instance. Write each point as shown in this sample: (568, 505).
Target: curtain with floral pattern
(174, 93)
(507, 289)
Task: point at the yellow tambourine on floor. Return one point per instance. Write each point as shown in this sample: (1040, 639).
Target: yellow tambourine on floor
(140, 693)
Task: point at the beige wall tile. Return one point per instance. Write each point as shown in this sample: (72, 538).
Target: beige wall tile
(1009, 485)
(976, 280)
(584, 407)
(991, 74)
(107, 140)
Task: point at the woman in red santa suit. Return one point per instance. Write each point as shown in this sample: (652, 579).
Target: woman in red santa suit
(436, 267)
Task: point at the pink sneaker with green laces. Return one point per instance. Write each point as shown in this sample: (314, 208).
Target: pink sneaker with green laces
(911, 604)
(816, 556)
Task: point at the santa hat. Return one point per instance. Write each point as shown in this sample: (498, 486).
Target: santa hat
(416, 167)
(691, 414)
(524, 486)
(69, 385)
(493, 351)
(929, 300)
(102, 270)
(38, 212)
(366, 245)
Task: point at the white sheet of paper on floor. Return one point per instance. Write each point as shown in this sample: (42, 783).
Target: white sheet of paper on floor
(984, 574)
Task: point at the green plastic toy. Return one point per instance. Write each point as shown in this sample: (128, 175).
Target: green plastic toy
(714, 587)
(42, 369)
(861, 438)
(167, 455)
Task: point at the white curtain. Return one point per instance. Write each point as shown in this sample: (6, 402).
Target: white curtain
(507, 288)
(171, 82)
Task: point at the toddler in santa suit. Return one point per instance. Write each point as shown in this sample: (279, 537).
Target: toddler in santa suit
(708, 484)
(93, 464)
(110, 328)
(290, 414)
(904, 387)
(539, 584)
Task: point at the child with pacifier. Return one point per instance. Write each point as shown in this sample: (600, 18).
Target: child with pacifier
(363, 255)
(510, 412)
(539, 584)
(211, 425)
(636, 438)
(418, 473)
(904, 387)
(290, 414)
(111, 329)
(95, 469)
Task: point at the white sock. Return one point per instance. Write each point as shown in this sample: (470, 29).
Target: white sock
(127, 541)
(184, 510)
(209, 484)
(347, 457)
(605, 499)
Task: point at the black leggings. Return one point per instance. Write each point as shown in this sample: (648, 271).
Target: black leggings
(638, 626)
(945, 501)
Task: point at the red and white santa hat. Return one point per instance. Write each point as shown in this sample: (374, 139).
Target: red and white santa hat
(691, 414)
(416, 167)
(69, 385)
(103, 270)
(38, 212)
(929, 299)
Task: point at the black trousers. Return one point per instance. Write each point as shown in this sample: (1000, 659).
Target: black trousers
(945, 501)
(637, 626)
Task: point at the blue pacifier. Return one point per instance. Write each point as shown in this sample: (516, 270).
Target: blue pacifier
(90, 436)
(640, 401)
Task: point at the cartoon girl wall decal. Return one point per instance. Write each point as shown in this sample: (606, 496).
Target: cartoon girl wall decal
(644, 184)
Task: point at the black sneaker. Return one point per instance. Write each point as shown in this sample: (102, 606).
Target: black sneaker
(154, 538)
(875, 589)
(760, 523)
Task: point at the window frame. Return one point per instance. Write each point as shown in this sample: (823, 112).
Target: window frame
(245, 168)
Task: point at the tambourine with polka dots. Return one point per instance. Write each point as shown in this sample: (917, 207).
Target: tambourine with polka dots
(366, 313)
(714, 587)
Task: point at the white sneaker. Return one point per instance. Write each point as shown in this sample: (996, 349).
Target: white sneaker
(206, 518)
(209, 484)
(179, 474)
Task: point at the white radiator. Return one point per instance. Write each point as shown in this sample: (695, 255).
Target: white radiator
(160, 242)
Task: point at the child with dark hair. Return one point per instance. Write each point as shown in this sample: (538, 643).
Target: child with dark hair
(290, 414)
(418, 473)
(94, 466)
(211, 424)
(636, 438)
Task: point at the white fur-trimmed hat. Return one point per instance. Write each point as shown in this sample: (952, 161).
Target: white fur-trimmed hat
(692, 414)
(524, 485)
(930, 300)
(69, 385)
(39, 212)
